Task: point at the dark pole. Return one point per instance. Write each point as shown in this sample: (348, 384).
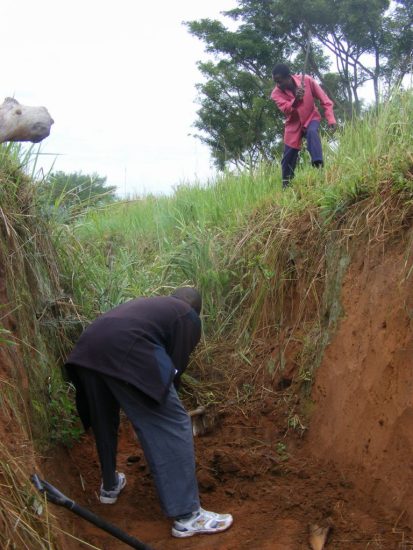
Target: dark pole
(55, 496)
(307, 53)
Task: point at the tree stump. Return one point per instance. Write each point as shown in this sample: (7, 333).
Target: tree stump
(22, 123)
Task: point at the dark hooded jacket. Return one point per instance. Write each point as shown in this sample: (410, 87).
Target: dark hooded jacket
(145, 342)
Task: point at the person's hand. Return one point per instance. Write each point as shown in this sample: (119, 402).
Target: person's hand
(332, 127)
(299, 93)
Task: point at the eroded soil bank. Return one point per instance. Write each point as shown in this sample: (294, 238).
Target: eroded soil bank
(363, 417)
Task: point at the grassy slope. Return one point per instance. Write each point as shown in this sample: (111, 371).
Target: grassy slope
(152, 244)
(29, 349)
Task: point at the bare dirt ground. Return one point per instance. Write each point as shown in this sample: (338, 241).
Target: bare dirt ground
(247, 466)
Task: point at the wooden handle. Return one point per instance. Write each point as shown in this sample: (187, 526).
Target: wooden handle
(197, 412)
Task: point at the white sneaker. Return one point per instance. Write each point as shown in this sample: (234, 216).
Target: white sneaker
(201, 522)
(110, 497)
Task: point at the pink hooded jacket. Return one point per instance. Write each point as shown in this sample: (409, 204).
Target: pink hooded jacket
(299, 117)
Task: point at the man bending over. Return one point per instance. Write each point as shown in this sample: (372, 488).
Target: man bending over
(132, 357)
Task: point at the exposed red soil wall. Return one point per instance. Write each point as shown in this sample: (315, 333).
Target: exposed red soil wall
(363, 419)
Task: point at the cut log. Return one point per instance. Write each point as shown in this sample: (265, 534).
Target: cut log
(22, 123)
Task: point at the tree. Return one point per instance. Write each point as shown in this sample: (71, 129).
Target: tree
(348, 29)
(353, 30)
(236, 118)
(400, 26)
(73, 192)
(367, 41)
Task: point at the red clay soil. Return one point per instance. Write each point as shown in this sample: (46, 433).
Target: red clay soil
(363, 419)
(247, 466)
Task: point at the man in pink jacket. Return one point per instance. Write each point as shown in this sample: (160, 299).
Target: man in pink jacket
(296, 100)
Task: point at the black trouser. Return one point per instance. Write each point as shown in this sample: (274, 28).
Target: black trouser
(164, 431)
(290, 156)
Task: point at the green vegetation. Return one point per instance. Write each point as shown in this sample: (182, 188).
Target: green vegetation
(218, 236)
(33, 282)
(237, 120)
(32, 340)
(62, 195)
(248, 245)
(269, 263)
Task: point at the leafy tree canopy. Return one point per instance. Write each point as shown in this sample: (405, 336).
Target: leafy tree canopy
(353, 42)
(73, 192)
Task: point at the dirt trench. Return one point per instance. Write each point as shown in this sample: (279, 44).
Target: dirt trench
(248, 466)
(351, 469)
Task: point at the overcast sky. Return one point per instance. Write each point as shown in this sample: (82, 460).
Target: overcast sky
(119, 80)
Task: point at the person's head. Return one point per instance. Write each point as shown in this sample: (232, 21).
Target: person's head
(190, 295)
(281, 75)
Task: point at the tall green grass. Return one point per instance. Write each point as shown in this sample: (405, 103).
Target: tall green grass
(32, 341)
(152, 244)
(198, 235)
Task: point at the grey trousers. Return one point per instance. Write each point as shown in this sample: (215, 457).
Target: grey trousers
(164, 431)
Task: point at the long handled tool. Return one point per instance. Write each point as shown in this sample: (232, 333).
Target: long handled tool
(307, 54)
(197, 417)
(55, 496)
